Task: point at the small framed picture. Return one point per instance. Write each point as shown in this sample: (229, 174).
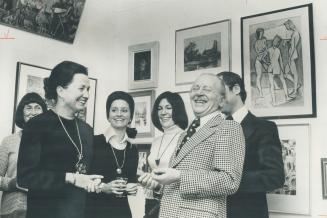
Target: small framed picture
(294, 196)
(29, 78)
(324, 177)
(278, 63)
(144, 151)
(202, 49)
(144, 101)
(143, 66)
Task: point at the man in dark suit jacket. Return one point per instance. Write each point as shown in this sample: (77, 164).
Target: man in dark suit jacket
(263, 166)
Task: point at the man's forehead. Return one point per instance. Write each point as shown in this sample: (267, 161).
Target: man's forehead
(206, 80)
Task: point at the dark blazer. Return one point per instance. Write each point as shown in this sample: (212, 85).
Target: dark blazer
(262, 171)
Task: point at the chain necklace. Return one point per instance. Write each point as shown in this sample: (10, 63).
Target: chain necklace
(157, 160)
(119, 168)
(80, 167)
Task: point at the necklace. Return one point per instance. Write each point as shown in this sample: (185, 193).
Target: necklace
(80, 167)
(119, 168)
(157, 160)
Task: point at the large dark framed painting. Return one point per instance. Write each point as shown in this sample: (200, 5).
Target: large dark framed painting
(29, 78)
(202, 49)
(278, 63)
(144, 101)
(143, 66)
(56, 19)
(294, 196)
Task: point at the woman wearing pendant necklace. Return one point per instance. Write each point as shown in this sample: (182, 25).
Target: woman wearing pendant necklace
(170, 117)
(115, 158)
(56, 149)
(13, 203)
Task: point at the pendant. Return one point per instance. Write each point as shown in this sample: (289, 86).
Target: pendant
(118, 170)
(157, 161)
(80, 168)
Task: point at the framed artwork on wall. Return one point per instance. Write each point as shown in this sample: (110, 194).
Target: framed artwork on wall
(29, 78)
(278, 63)
(54, 19)
(144, 101)
(294, 196)
(143, 65)
(202, 49)
(187, 102)
(144, 151)
(324, 177)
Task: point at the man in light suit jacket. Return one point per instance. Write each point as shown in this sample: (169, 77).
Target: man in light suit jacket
(263, 166)
(207, 165)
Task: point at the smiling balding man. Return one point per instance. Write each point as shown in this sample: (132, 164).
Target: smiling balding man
(207, 164)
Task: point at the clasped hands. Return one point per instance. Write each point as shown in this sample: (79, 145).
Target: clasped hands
(93, 183)
(159, 177)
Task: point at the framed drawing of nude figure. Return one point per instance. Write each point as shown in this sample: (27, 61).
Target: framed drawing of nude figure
(278, 63)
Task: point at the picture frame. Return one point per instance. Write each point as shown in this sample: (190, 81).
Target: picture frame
(144, 101)
(56, 20)
(277, 47)
(29, 78)
(294, 196)
(324, 177)
(187, 102)
(202, 49)
(143, 65)
(143, 165)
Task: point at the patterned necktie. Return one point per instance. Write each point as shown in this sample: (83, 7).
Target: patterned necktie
(190, 131)
(229, 117)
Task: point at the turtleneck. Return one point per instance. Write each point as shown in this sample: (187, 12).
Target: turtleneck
(173, 129)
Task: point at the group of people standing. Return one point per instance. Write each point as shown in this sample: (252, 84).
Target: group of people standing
(214, 167)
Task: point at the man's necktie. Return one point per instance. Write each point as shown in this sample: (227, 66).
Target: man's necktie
(229, 117)
(190, 131)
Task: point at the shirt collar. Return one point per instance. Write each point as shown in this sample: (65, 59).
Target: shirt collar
(108, 135)
(206, 118)
(239, 115)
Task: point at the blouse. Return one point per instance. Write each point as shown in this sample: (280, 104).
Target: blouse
(11, 201)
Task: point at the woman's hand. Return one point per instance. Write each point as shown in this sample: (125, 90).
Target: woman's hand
(87, 182)
(114, 187)
(131, 188)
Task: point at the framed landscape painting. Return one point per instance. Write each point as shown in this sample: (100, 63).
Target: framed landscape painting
(278, 63)
(202, 49)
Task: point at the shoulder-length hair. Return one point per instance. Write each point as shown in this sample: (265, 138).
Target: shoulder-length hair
(179, 114)
(28, 98)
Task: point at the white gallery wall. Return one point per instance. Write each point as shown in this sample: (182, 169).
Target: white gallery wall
(108, 27)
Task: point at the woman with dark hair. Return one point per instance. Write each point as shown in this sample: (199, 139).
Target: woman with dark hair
(56, 149)
(116, 159)
(13, 203)
(170, 117)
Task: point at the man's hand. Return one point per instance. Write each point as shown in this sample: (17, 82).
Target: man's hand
(147, 181)
(166, 176)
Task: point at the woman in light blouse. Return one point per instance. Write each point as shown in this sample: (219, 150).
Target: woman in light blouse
(169, 116)
(13, 203)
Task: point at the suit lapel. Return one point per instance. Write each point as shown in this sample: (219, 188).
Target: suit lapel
(248, 125)
(203, 133)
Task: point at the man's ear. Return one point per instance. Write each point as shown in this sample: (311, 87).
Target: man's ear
(236, 89)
